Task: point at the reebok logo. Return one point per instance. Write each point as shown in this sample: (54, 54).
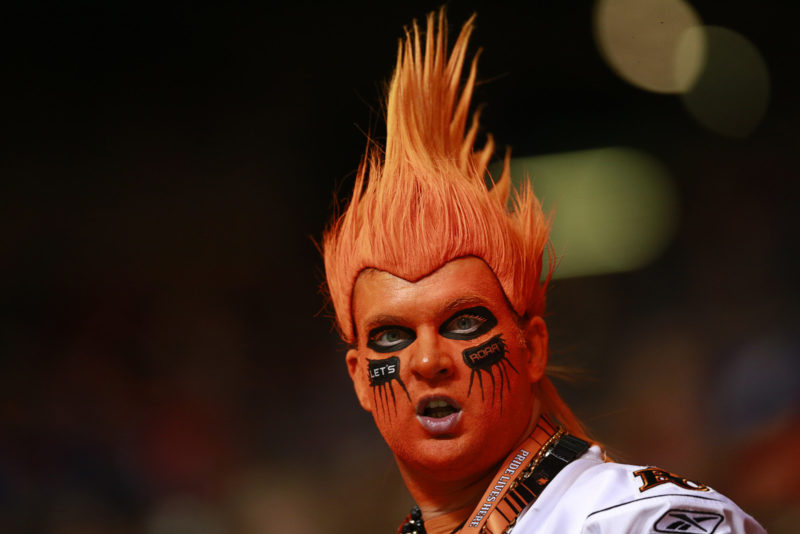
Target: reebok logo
(688, 522)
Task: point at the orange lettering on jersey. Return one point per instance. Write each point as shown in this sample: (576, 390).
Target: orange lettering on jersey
(653, 476)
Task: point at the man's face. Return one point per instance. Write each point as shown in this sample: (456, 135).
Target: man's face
(444, 367)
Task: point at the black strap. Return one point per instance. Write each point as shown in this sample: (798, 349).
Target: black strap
(564, 451)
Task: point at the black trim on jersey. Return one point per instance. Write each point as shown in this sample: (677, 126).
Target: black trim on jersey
(654, 497)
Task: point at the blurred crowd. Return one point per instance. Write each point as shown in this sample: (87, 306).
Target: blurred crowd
(167, 364)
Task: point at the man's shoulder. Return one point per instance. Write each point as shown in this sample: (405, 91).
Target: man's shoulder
(592, 495)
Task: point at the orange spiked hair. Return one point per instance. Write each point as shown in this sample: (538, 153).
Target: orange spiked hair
(426, 202)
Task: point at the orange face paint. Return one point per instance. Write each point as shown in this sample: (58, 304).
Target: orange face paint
(457, 349)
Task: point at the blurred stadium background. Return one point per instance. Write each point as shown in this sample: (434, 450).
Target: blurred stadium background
(166, 365)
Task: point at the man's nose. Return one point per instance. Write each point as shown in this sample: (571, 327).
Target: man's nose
(431, 360)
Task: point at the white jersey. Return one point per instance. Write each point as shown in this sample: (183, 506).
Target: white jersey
(590, 496)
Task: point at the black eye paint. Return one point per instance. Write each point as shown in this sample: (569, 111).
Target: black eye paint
(483, 358)
(486, 319)
(381, 374)
(375, 339)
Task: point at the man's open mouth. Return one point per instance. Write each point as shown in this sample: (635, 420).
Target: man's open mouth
(438, 408)
(439, 415)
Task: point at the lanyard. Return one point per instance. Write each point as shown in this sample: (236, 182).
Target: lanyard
(522, 477)
(506, 496)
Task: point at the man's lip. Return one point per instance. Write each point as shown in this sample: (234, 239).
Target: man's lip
(438, 426)
(424, 401)
(443, 427)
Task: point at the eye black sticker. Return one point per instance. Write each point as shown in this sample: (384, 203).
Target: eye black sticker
(483, 359)
(381, 374)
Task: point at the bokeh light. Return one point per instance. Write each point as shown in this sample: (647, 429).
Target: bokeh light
(615, 208)
(731, 95)
(646, 42)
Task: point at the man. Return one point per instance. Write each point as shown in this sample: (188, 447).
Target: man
(438, 288)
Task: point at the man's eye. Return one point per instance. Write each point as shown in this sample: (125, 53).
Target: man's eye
(468, 324)
(390, 338)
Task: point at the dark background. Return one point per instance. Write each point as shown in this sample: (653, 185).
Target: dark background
(166, 365)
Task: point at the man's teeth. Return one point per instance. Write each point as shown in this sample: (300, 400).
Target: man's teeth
(438, 408)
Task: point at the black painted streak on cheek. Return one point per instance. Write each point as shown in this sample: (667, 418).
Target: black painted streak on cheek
(381, 375)
(383, 401)
(483, 359)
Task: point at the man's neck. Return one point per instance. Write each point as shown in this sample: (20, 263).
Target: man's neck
(446, 504)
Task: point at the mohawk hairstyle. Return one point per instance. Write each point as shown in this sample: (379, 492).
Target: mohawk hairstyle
(426, 201)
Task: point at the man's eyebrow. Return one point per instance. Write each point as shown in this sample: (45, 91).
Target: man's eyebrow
(387, 319)
(382, 320)
(460, 302)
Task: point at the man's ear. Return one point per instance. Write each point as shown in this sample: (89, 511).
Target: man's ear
(359, 378)
(536, 336)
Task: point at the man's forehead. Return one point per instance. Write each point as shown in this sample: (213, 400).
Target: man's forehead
(451, 306)
(460, 273)
(461, 283)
